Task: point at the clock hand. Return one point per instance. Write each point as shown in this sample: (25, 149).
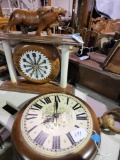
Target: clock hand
(51, 119)
(56, 115)
(56, 106)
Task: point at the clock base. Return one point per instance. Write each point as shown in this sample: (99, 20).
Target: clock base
(27, 87)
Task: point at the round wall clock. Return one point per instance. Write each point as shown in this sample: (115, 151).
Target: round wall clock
(55, 126)
(39, 63)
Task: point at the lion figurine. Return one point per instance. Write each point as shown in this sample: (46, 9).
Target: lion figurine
(44, 18)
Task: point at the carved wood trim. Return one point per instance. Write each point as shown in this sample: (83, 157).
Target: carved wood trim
(101, 25)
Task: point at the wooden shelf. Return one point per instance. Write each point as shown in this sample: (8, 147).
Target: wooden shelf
(60, 39)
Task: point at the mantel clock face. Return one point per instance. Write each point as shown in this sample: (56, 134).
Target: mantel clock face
(55, 126)
(37, 63)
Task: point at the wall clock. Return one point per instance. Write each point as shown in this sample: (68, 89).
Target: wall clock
(38, 63)
(55, 126)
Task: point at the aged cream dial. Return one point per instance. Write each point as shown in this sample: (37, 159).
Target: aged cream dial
(58, 125)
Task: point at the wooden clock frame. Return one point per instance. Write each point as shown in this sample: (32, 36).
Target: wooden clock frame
(22, 86)
(50, 53)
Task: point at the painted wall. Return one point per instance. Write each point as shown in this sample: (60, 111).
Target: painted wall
(110, 7)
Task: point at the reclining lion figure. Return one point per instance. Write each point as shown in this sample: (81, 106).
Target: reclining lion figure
(44, 18)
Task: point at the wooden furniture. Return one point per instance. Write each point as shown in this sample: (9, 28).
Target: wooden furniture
(112, 62)
(93, 77)
(89, 37)
(23, 86)
(84, 13)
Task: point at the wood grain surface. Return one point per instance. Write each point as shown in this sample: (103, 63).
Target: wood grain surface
(48, 50)
(34, 88)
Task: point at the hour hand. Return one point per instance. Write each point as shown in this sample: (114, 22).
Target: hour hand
(50, 119)
(56, 105)
(56, 114)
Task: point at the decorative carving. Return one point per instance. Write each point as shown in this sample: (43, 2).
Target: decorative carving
(37, 63)
(104, 26)
(112, 26)
(49, 18)
(98, 24)
(44, 18)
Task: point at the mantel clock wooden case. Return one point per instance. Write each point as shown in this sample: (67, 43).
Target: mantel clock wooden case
(38, 63)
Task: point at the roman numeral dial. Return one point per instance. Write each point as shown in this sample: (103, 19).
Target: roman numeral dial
(57, 124)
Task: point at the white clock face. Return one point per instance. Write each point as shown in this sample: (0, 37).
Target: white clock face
(56, 125)
(35, 65)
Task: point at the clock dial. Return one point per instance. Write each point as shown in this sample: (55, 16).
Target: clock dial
(57, 133)
(37, 63)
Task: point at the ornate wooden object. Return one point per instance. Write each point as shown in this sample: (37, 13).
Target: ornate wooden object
(112, 62)
(112, 26)
(44, 18)
(105, 26)
(17, 84)
(98, 24)
(38, 63)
